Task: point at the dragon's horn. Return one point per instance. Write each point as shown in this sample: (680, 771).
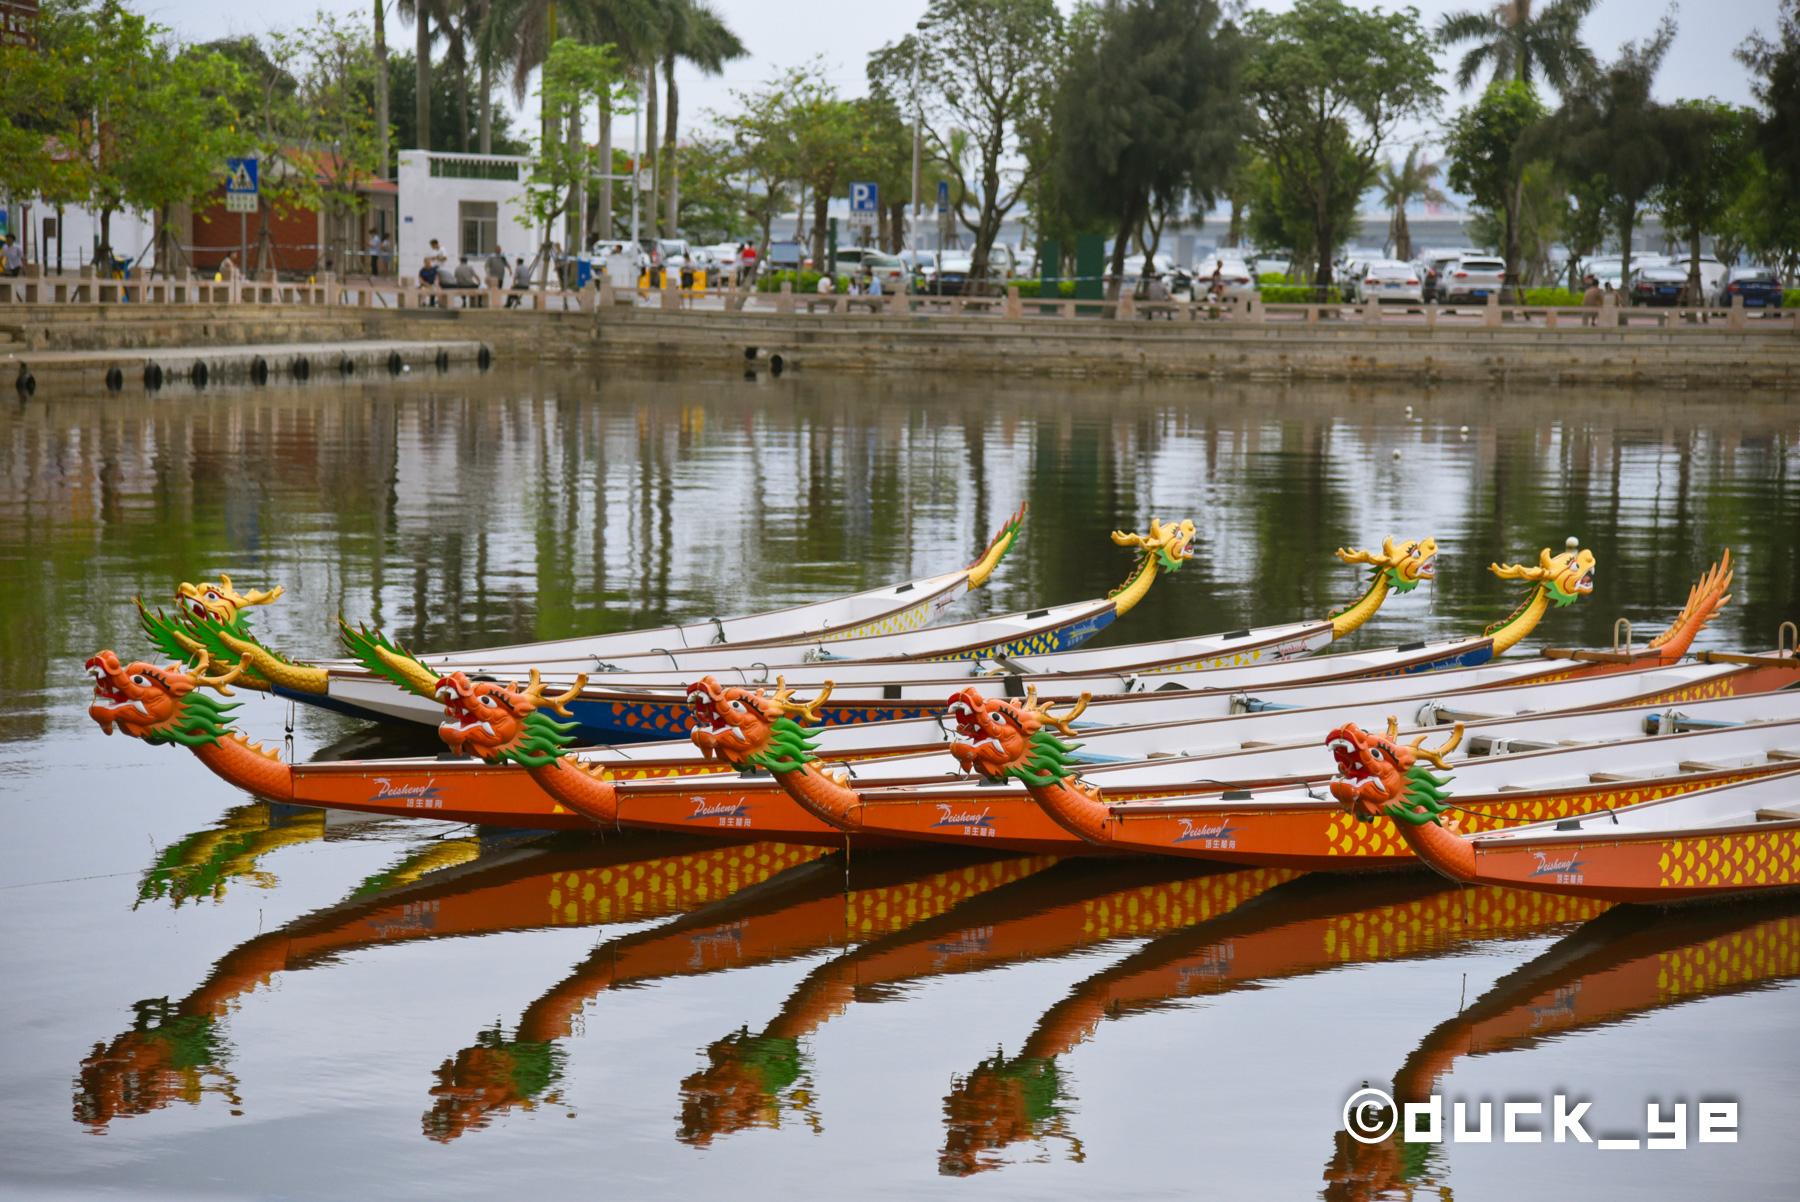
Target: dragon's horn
(1387, 549)
(1063, 722)
(1436, 754)
(560, 702)
(225, 583)
(262, 596)
(1352, 555)
(805, 710)
(1393, 726)
(1546, 561)
(197, 674)
(1516, 571)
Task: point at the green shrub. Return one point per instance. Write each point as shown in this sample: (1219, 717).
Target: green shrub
(1297, 294)
(1552, 298)
(1032, 289)
(1271, 277)
(805, 281)
(1790, 299)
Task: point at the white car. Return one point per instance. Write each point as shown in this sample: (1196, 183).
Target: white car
(1390, 281)
(1271, 265)
(1135, 266)
(1235, 279)
(889, 269)
(1471, 279)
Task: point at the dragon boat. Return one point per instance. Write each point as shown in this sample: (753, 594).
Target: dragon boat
(886, 689)
(1281, 929)
(1625, 964)
(1268, 804)
(502, 724)
(1731, 840)
(388, 682)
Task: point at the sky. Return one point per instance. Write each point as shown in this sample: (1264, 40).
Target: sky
(783, 33)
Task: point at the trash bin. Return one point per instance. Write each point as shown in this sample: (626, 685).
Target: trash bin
(584, 271)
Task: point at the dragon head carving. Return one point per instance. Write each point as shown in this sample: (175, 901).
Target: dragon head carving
(749, 1081)
(1169, 545)
(1003, 740)
(501, 723)
(158, 705)
(995, 736)
(750, 728)
(1565, 578)
(216, 601)
(1377, 774)
(490, 1078)
(1404, 565)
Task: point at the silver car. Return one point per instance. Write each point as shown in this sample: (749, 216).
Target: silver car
(1390, 281)
(1471, 279)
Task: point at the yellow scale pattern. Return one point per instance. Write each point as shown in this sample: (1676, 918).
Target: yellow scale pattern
(1706, 690)
(1765, 952)
(1349, 837)
(1449, 916)
(1237, 659)
(906, 620)
(668, 883)
(1750, 859)
(1156, 908)
(869, 912)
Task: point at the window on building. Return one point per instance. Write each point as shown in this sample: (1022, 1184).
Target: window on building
(480, 226)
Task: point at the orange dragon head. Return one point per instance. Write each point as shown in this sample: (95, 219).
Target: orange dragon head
(500, 723)
(158, 705)
(748, 728)
(1377, 774)
(490, 1078)
(999, 738)
(749, 1081)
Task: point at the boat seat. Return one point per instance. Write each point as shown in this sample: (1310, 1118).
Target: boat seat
(1609, 778)
(1256, 744)
(1699, 766)
(1773, 815)
(1783, 753)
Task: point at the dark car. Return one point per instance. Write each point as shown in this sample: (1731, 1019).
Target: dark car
(1658, 285)
(1757, 285)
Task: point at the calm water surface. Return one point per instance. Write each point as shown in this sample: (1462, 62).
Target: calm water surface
(209, 997)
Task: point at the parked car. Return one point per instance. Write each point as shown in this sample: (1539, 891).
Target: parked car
(1135, 266)
(1275, 262)
(1348, 278)
(954, 276)
(1759, 286)
(675, 251)
(1235, 278)
(1471, 279)
(1389, 281)
(1658, 285)
(889, 269)
(923, 265)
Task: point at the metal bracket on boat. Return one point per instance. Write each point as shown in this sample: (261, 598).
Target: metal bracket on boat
(818, 655)
(601, 665)
(665, 651)
(1130, 683)
(1243, 703)
(764, 678)
(719, 625)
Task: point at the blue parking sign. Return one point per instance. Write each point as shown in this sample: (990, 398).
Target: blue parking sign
(864, 198)
(943, 196)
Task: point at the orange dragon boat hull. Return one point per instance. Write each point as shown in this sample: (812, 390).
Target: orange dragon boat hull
(1321, 837)
(1652, 867)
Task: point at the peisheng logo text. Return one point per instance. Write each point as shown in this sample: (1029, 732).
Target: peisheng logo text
(1370, 1117)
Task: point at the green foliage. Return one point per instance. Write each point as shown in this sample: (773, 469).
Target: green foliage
(804, 281)
(1488, 157)
(1709, 154)
(1402, 183)
(1298, 294)
(1330, 84)
(1790, 299)
(574, 76)
(1281, 214)
(1034, 289)
(446, 99)
(986, 72)
(1147, 114)
(1551, 298)
(1519, 44)
(1775, 62)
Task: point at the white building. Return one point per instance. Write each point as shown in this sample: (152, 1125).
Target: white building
(68, 242)
(471, 203)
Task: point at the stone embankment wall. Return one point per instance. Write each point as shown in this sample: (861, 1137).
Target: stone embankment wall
(1691, 357)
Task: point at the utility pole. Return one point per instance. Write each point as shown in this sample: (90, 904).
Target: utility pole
(637, 165)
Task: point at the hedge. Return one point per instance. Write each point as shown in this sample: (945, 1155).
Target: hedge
(805, 281)
(1032, 289)
(1790, 299)
(1552, 298)
(1296, 294)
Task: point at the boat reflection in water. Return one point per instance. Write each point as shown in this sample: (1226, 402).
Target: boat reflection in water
(455, 887)
(1047, 908)
(200, 865)
(1624, 964)
(1308, 925)
(796, 913)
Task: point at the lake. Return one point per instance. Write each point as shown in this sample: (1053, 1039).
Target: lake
(212, 996)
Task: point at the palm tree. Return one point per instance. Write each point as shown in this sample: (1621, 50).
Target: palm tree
(696, 34)
(1401, 184)
(381, 88)
(1518, 43)
(422, 13)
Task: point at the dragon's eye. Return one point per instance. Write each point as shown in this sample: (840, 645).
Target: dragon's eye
(1376, 753)
(487, 699)
(1000, 717)
(738, 706)
(212, 595)
(139, 680)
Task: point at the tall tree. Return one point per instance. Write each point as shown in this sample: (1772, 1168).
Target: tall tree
(383, 122)
(762, 152)
(422, 13)
(986, 70)
(1611, 131)
(1412, 178)
(1488, 157)
(1170, 126)
(1519, 42)
(1709, 148)
(1330, 85)
(697, 35)
(1776, 86)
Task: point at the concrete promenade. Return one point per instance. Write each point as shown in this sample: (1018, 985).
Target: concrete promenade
(1710, 351)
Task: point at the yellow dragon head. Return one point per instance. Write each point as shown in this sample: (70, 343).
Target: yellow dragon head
(1565, 578)
(1404, 565)
(1169, 544)
(217, 601)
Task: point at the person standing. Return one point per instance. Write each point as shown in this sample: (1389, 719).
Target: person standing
(496, 269)
(747, 265)
(1590, 299)
(15, 256)
(375, 252)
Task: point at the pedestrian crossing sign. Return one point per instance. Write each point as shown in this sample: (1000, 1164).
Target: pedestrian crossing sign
(240, 185)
